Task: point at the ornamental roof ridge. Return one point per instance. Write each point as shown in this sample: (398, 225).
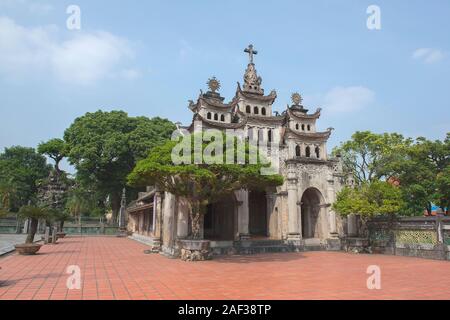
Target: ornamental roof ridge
(301, 115)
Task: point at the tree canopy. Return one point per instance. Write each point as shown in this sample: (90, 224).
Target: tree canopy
(369, 199)
(20, 171)
(105, 146)
(205, 182)
(366, 154)
(55, 149)
(421, 168)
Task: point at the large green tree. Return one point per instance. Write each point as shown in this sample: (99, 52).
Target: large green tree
(21, 169)
(367, 154)
(208, 181)
(423, 171)
(105, 146)
(369, 199)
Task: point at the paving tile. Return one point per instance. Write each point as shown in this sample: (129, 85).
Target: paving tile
(116, 269)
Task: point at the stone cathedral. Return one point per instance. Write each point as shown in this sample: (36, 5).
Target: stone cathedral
(297, 215)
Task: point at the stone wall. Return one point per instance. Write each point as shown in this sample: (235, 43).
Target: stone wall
(424, 237)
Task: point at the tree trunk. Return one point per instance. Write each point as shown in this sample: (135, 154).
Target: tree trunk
(197, 215)
(115, 206)
(61, 226)
(32, 230)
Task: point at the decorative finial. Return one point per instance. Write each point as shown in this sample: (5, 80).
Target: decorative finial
(250, 52)
(296, 99)
(213, 84)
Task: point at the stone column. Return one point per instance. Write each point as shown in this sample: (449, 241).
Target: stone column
(157, 221)
(183, 219)
(243, 215)
(168, 223)
(331, 196)
(271, 215)
(294, 231)
(352, 227)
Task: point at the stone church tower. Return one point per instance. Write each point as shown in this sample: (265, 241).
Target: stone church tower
(296, 215)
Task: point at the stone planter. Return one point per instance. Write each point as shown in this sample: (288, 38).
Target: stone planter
(61, 235)
(195, 250)
(28, 249)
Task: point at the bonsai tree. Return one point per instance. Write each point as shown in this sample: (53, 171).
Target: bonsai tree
(55, 149)
(33, 213)
(204, 183)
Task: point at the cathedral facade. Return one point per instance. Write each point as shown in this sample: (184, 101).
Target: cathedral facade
(296, 215)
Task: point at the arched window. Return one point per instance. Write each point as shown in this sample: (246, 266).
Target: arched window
(303, 127)
(255, 110)
(263, 111)
(296, 126)
(269, 136)
(222, 118)
(216, 117)
(208, 116)
(308, 152)
(298, 151)
(248, 109)
(309, 127)
(317, 152)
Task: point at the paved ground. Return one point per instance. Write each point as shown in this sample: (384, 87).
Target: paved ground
(116, 268)
(7, 241)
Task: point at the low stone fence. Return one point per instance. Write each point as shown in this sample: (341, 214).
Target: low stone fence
(84, 226)
(424, 237)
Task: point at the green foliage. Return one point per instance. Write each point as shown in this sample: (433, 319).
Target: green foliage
(20, 170)
(367, 154)
(34, 212)
(370, 199)
(84, 202)
(55, 149)
(423, 170)
(105, 146)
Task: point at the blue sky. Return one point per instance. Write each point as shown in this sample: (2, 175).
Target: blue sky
(150, 57)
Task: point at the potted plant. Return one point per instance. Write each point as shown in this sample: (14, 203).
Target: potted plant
(33, 213)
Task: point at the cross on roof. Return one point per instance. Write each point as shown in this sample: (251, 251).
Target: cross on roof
(250, 52)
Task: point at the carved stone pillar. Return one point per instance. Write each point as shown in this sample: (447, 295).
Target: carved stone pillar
(294, 231)
(243, 215)
(182, 219)
(157, 221)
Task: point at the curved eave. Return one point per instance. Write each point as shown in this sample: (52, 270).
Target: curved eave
(253, 96)
(220, 125)
(268, 119)
(301, 116)
(313, 135)
(219, 106)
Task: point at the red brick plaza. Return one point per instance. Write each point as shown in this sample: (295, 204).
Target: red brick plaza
(117, 268)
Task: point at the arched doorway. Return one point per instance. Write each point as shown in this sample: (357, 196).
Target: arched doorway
(257, 213)
(312, 211)
(219, 221)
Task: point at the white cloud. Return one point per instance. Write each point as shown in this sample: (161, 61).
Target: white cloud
(428, 55)
(32, 5)
(348, 99)
(84, 58)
